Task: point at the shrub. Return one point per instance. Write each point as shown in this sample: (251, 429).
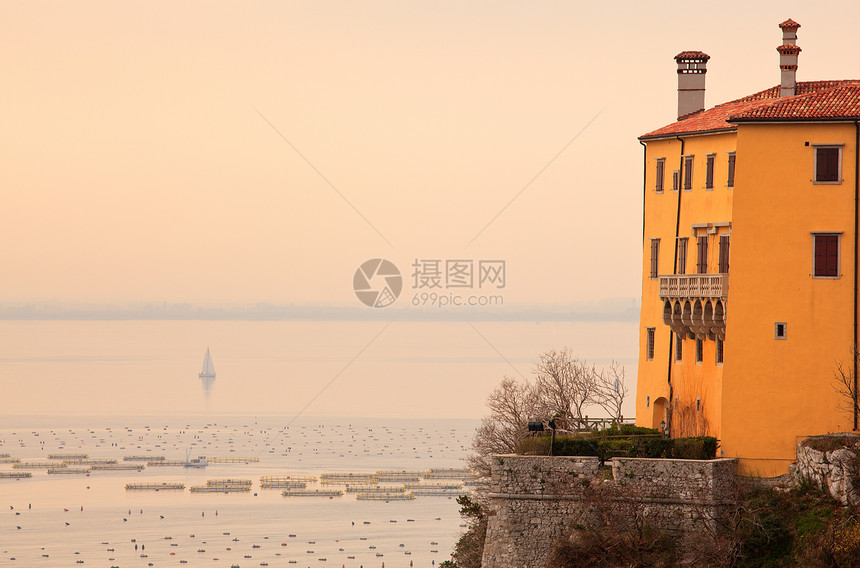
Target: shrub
(652, 447)
(533, 446)
(575, 446)
(831, 442)
(695, 448)
(630, 430)
(635, 446)
(615, 448)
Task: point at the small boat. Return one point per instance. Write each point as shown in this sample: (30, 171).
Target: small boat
(199, 461)
(208, 371)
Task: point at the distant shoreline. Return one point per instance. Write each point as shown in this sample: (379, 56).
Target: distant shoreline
(621, 310)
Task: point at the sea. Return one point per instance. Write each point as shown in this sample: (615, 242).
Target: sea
(92, 519)
(289, 399)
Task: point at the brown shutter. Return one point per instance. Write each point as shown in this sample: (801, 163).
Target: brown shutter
(820, 168)
(709, 174)
(660, 166)
(650, 343)
(826, 255)
(655, 250)
(827, 164)
(688, 172)
(676, 181)
(682, 256)
(832, 255)
(820, 255)
(724, 254)
(702, 264)
(833, 164)
(731, 182)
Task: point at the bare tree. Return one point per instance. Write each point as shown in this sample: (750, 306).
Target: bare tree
(566, 385)
(612, 390)
(512, 404)
(845, 385)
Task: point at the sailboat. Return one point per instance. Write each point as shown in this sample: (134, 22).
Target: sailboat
(208, 371)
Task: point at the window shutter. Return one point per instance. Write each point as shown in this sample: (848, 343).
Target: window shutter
(831, 255)
(827, 164)
(650, 343)
(660, 166)
(688, 172)
(820, 255)
(832, 164)
(682, 256)
(724, 254)
(709, 174)
(676, 181)
(731, 182)
(826, 255)
(655, 250)
(702, 264)
(820, 166)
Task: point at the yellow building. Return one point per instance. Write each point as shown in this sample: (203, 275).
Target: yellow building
(749, 289)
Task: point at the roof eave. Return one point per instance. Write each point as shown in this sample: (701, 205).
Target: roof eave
(777, 120)
(691, 133)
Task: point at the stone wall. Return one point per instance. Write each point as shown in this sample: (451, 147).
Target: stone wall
(833, 471)
(537, 500)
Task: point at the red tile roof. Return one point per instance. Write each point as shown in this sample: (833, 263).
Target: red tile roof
(815, 100)
(789, 24)
(699, 55)
(834, 103)
(788, 49)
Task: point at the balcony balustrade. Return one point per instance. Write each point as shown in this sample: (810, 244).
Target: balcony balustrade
(694, 305)
(694, 286)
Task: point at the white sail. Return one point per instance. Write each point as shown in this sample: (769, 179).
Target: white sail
(208, 366)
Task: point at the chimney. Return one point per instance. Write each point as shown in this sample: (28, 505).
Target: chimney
(788, 52)
(691, 81)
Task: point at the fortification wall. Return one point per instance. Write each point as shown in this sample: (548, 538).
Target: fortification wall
(537, 500)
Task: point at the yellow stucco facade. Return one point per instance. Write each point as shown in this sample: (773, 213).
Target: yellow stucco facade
(761, 321)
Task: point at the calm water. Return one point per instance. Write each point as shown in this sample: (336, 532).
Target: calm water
(66, 518)
(411, 369)
(113, 389)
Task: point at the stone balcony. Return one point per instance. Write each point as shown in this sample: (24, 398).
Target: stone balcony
(694, 305)
(694, 286)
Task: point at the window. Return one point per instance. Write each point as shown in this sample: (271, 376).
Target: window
(828, 164)
(682, 256)
(780, 330)
(661, 163)
(709, 171)
(655, 252)
(676, 180)
(826, 263)
(650, 339)
(719, 356)
(648, 401)
(699, 350)
(698, 404)
(679, 347)
(724, 254)
(702, 258)
(731, 181)
(688, 173)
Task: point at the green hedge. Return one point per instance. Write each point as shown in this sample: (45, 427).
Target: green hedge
(629, 430)
(697, 448)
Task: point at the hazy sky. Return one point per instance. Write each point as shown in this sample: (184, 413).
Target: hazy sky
(139, 160)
